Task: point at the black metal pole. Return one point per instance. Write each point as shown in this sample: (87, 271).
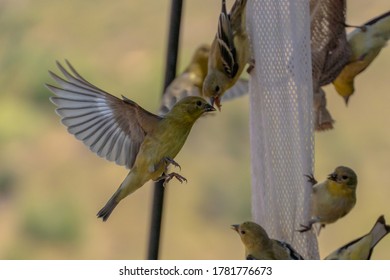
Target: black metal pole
(170, 73)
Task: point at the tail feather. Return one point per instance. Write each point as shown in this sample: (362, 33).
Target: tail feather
(106, 211)
(379, 230)
(131, 183)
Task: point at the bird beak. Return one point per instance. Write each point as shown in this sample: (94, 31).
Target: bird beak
(217, 102)
(235, 227)
(332, 177)
(346, 99)
(209, 108)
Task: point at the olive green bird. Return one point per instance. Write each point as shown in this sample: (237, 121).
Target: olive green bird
(190, 82)
(362, 247)
(332, 199)
(122, 131)
(229, 52)
(366, 42)
(258, 245)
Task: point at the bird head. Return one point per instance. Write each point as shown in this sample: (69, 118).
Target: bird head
(214, 87)
(252, 234)
(344, 175)
(345, 88)
(346, 99)
(190, 108)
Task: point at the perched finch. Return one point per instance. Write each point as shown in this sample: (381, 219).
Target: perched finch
(122, 131)
(190, 82)
(229, 52)
(362, 247)
(258, 246)
(366, 42)
(332, 199)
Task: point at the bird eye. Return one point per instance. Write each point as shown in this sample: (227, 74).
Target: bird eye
(217, 89)
(243, 232)
(344, 177)
(198, 103)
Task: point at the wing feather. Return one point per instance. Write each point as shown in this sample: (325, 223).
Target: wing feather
(112, 128)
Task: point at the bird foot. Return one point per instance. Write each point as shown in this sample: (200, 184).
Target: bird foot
(170, 176)
(171, 161)
(311, 179)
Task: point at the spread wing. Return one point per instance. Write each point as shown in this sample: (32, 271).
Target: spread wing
(112, 128)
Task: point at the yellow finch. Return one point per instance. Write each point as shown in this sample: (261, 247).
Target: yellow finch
(122, 131)
(332, 199)
(229, 52)
(362, 247)
(366, 42)
(190, 82)
(258, 246)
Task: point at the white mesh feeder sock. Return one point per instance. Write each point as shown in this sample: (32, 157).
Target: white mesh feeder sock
(281, 119)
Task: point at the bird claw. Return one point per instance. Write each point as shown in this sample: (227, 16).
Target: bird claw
(170, 176)
(311, 179)
(178, 177)
(171, 161)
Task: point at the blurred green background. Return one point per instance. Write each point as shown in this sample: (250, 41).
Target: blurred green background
(51, 186)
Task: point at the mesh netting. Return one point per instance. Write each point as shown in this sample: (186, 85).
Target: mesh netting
(281, 119)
